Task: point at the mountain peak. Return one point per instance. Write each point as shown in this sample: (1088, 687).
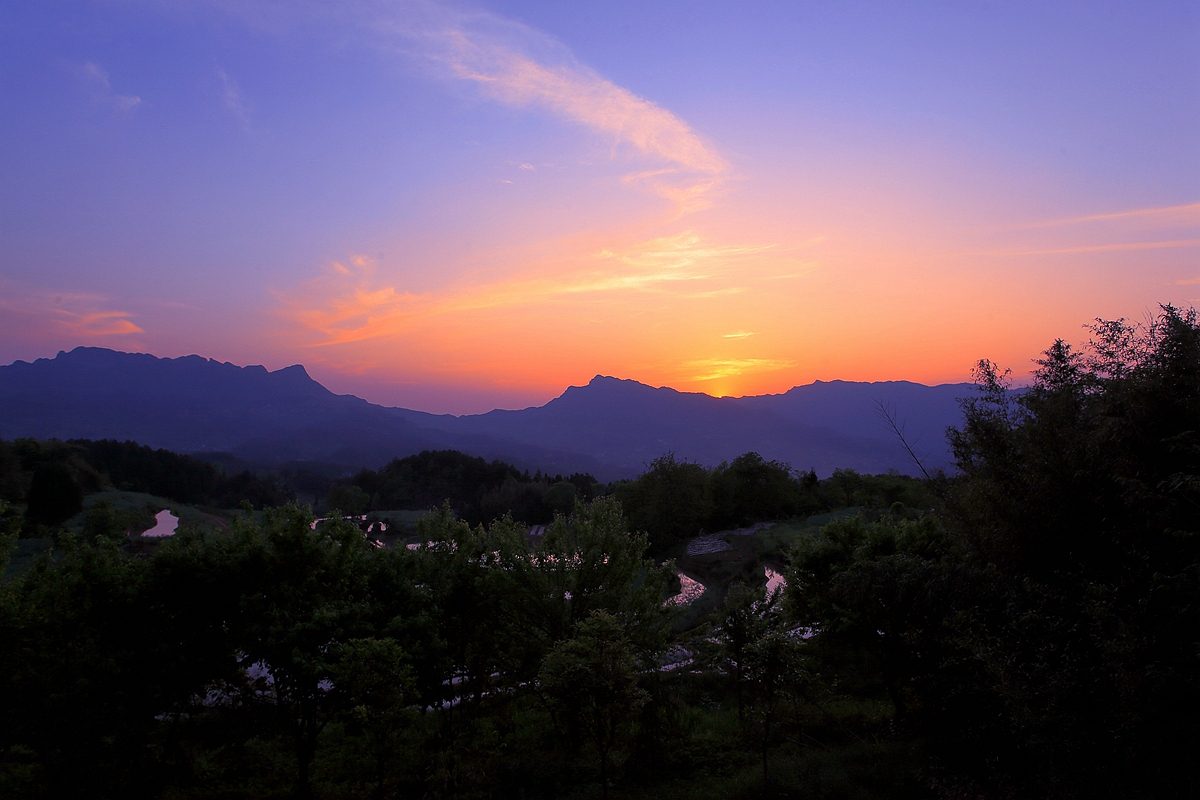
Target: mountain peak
(609, 380)
(607, 386)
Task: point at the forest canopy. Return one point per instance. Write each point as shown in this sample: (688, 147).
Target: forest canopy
(1027, 626)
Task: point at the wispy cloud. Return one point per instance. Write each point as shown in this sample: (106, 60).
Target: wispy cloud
(232, 98)
(99, 323)
(1130, 230)
(1093, 248)
(518, 66)
(740, 334)
(82, 315)
(1187, 214)
(102, 91)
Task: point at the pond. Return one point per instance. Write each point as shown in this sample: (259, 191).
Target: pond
(165, 524)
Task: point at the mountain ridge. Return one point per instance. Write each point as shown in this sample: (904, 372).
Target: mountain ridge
(610, 426)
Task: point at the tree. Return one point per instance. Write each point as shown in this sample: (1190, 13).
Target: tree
(741, 625)
(348, 499)
(588, 562)
(750, 489)
(669, 500)
(875, 586)
(763, 655)
(302, 592)
(9, 527)
(592, 679)
(381, 697)
(81, 685)
(1078, 504)
(774, 666)
(54, 495)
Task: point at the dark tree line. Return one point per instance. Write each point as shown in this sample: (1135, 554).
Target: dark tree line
(676, 499)
(479, 491)
(52, 477)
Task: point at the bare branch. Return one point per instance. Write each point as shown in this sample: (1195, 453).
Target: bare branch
(891, 420)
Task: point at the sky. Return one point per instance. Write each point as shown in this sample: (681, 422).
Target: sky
(460, 206)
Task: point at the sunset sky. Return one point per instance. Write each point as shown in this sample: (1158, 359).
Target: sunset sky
(459, 206)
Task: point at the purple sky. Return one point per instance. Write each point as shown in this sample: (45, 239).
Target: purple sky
(459, 206)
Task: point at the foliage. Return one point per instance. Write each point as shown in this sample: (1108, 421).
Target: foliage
(348, 499)
(762, 656)
(1025, 628)
(670, 500)
(54, 496)
(477, 490)
(674, 499)
(750, 488)
(592, 678)
(71, 469)
(380, 699)
(1043, 629)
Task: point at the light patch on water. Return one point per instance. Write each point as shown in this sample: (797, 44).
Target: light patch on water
(775, 581)
(675, 658)
(689, 593)
(165, 524)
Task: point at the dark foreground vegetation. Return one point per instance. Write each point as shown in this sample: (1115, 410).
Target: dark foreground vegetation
(1029, 627)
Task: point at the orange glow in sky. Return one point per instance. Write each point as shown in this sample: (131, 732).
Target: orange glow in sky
(454, 207)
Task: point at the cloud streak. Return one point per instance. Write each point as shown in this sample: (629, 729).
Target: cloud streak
(1094, 248)
(348, 304)
(520, 67)
(711, 369)
(1187, 214)
(99, 323)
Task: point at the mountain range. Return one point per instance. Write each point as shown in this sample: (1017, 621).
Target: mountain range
(610, 427)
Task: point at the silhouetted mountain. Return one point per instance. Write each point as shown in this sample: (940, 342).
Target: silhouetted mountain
(921, 412)
(610, 427)
(822, 426)
(193, 404)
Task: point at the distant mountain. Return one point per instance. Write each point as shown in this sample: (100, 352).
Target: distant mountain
(193, 404)
(610, 427)
(921, 412)
(821, 426)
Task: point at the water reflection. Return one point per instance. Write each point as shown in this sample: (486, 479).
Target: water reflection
(707, 545)
(775, 580)
(165, 524)
(689, 593)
